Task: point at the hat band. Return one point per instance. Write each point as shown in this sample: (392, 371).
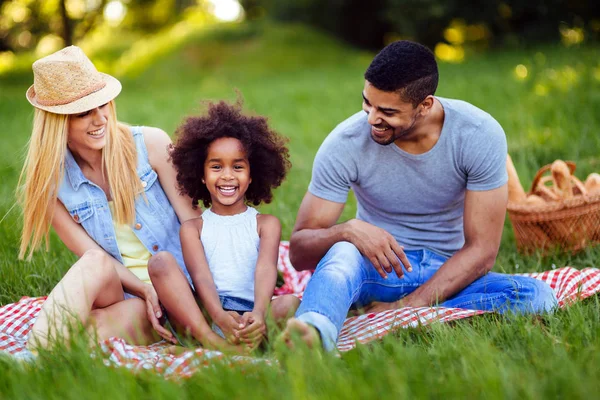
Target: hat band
(61, 102)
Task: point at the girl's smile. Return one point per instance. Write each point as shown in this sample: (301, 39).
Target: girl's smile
(227, 175)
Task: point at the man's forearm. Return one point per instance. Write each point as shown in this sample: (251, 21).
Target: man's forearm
(459, 271)
(308, 246)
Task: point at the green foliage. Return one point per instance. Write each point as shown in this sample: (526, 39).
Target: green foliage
(370, 26)
(306, 83)
(52, 24)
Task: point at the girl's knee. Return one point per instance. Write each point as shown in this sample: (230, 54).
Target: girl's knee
(161, 263)
(284, 307)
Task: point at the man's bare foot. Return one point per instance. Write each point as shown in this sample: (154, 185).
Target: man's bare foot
(296, 329)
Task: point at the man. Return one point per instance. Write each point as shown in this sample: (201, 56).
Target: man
(429, 175)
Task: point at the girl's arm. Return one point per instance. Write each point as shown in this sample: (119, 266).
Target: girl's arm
(157, 144)
(265, 275)
(265, 278)
(195, 260)
(78, 241)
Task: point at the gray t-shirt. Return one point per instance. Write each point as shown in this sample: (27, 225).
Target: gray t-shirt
(418, 198)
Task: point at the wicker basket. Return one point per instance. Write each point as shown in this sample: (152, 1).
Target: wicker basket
(567, 225)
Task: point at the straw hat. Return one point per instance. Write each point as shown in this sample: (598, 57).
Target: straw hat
(66, 82)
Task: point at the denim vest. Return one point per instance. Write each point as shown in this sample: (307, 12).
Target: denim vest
(156, 224)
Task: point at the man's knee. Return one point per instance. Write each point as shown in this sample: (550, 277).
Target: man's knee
(343, 261)
(161, 263)
(344, 253)
(532, 295)
(542, 297)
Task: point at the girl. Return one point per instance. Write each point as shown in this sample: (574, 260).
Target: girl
(226, 160)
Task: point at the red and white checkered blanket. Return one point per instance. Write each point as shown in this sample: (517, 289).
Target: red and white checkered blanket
(569, 284)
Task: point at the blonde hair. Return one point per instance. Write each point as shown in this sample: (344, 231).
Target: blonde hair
(43, 172)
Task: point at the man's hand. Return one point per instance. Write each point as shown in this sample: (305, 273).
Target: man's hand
(230, 323)
(154, 312)
(379, 247)
(255, 329)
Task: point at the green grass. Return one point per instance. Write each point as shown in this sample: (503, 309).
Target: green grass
(306, 84)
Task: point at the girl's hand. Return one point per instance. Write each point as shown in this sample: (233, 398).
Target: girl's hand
(230, 323)
(254, 330)
(154, 312)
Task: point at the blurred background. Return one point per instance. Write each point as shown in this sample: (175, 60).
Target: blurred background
(533, 66)
(454, 29)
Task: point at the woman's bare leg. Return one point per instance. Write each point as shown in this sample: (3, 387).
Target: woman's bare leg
(92, 283)
(175, 294)
(126, 319)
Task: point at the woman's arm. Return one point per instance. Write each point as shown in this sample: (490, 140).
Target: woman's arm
(78, 241)
(157, 144)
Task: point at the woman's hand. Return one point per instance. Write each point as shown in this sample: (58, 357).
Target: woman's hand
(254, 330)
(154, 312)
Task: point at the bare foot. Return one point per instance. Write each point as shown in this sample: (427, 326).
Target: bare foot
(216, 342)
(296, 329)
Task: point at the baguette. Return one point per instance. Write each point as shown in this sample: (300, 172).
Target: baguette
(534, 200)
(516, 194)
(592, 183)
(561, 175)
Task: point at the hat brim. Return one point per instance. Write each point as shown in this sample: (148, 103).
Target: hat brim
(86, 103)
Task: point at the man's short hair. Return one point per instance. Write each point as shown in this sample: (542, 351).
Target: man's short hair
(405, 67)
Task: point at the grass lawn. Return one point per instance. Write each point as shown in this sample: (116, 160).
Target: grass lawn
(306, 84)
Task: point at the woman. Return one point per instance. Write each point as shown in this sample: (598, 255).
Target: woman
(109, 192)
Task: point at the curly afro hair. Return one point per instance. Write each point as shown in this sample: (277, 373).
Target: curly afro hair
(405, 67)
(267, 153)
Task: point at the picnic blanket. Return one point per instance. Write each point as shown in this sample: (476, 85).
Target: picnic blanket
(569, 284)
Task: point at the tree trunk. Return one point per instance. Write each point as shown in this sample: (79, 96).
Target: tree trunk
(67, 29)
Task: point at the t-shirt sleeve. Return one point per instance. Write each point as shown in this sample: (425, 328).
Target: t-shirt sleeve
(484, 157)
(333, 170)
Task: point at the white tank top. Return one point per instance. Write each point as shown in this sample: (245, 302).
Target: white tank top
(231, 246)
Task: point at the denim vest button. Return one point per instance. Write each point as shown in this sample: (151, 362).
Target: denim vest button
(144, 184)
(155, 247)
(138, 226)
(76, 218)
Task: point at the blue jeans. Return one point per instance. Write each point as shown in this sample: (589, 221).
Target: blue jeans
(345, 278)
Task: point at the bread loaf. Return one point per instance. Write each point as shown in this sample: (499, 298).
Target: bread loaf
(592, 183)
(516, 194)
(561, 175)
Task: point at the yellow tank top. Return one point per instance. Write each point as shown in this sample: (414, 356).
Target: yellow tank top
(134, 253)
